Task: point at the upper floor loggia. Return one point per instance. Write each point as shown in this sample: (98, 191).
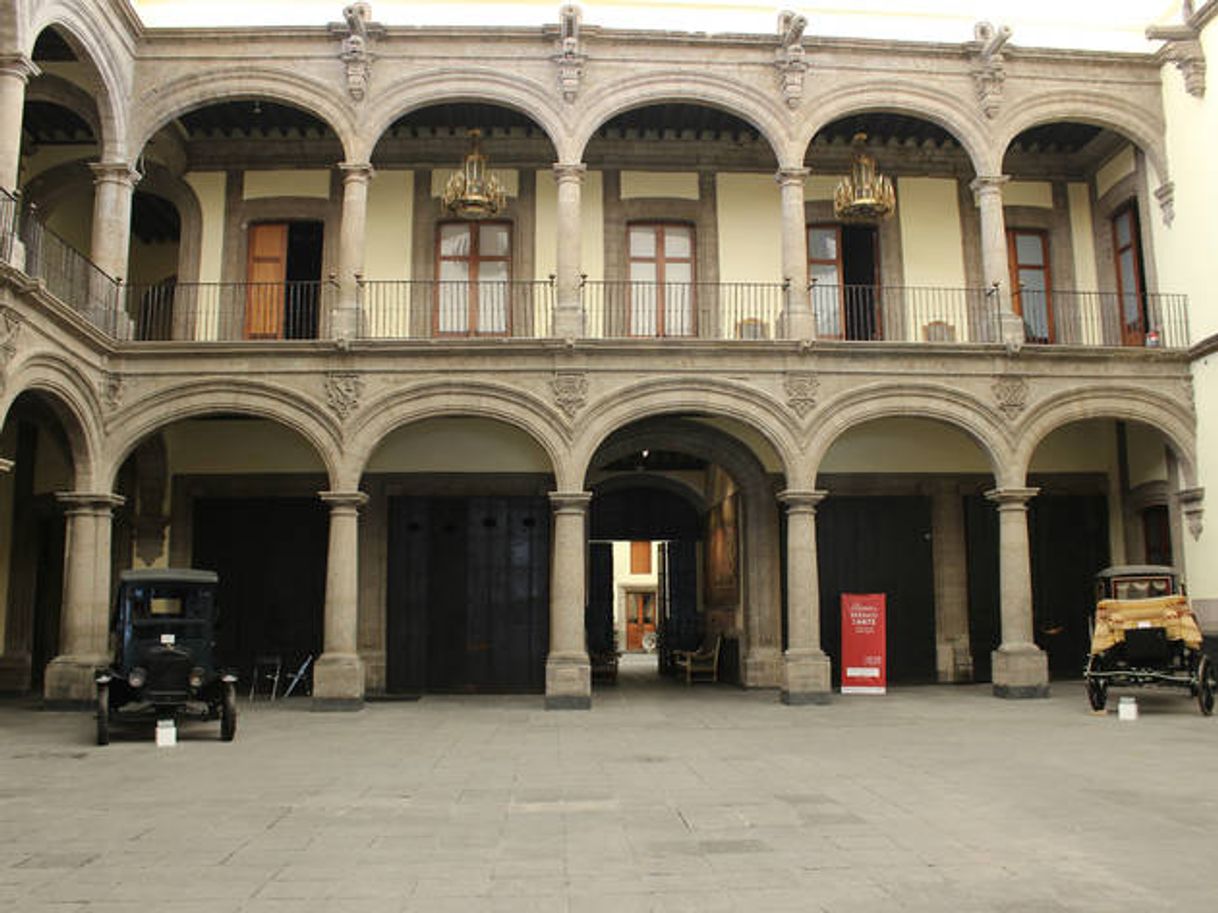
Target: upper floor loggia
(240, 210)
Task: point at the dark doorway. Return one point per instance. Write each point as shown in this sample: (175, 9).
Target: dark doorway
(860, 275)
(270, 554)
(469, 594)
(880, 545)
(1068, 540)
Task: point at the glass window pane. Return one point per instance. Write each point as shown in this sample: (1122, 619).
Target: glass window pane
(454, 271)
(678, 242)
(822, 243)
(492, 306)
(454, 240)
(495, 240)
(678, 272)
(678, 310)
(1032, 280)
(642, 272)
(1029, 250)
(452, 307)
(825, 274)
(642, 241)
(1124, 229)
(642, 309)
(1130, 307)
(826, 305)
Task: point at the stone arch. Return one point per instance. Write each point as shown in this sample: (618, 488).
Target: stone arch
(160, 104)
(760, 109)
(78, 21)
(658, 483)
(951, 111)
(1169, 416)
(466, 84)
(59, 91)
(74, 404)
(671, 396)
(498, 402)
(913, 400)
(141, 417)
(1132, 120)
(162, 182)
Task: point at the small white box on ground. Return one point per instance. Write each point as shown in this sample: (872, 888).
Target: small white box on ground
(166, 733)
(1127, 709)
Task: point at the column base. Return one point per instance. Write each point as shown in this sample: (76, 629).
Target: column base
(568, 682)
(69, 682)
(15, 669)
(569, 322)
(800, 325)
(806, 677)
(763, 668)
(1012, 329)
(954, 661)
(344, 322)
(338, 682)
(1020, 671)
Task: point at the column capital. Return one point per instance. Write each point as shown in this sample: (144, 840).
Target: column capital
(570, 171)
(357, 171)
(344, 500)
(89, 502)
(114, 173)
(988, 183)
(786, 176)
(570, 502)
(18, 66)
(6, 465)
(801, 502)
(1012, 498)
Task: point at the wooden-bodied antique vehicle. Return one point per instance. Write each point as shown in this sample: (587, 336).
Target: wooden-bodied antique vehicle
(1144, 633)
(162, 664)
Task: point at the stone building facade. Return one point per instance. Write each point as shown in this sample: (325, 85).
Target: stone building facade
(237, 329)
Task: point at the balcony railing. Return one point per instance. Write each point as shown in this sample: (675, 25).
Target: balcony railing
(904, 314)
(225, 311)
(704, 310)
(8, 225)
(431, 309)
(1105, 319)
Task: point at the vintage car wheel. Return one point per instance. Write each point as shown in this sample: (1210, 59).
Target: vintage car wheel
(228, 713)
(103, 714)
(1097, 688)
(1205, 686)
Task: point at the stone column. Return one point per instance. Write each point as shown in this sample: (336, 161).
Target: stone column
(338, 675)
(344, 322)
(987, 191)
(761, 562)
(113, 186)
(954, 659)
(568, 672)
(1021, 668)
(800, 322)
(15, 72)
(85, 615)
(806, 669)
(568, 304)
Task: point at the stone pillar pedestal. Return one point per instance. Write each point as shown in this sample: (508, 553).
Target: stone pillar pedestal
(345, 315)
(800, 321)
(1021, 668)
(954, 658)
(568, 301)
(338, 675)
(85, 617)
(568, 671)
(15, 72)
(807, 673)
(763, 667)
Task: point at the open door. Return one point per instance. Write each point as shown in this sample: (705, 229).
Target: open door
(266, 272)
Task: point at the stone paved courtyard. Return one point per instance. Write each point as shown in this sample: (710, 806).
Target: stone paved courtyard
(661, 798)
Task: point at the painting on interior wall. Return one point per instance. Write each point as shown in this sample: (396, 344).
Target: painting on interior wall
(722, 554)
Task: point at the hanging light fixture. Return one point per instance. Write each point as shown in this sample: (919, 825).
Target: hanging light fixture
(864, 193)
(473, 192)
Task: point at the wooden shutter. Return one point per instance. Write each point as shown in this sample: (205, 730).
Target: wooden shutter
(266, 272)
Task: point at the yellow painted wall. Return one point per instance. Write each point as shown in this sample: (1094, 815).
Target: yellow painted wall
(1199, 553)
(390, 216)
(458, 445)
(48, 157)
(1082, 238)
(509, 178)
(151, 263)
(312, 182)
(72, 219)
(750, 228)
(592, 226)
(1113, 170)
(199, 447)
(669, 185)
(209, 188)
(902, 445)
(821, 186)
(1147, 456)
(1087, 446)
(931, 244)
(1029, 193)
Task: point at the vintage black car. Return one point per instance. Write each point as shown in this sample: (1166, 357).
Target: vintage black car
(162, 636)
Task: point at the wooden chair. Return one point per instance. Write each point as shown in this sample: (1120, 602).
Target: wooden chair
(704, 661)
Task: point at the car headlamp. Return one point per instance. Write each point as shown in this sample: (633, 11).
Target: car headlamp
(136, 677)
(196, 677)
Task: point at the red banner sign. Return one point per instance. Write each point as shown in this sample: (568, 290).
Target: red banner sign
(864, 644)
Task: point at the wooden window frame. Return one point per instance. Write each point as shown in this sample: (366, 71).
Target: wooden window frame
(660, 261)
(473, 260)
(839, 264)
(1014, 267)
(1130, 336)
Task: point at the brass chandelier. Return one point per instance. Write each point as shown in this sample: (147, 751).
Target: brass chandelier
(473, 192)
(864, 193)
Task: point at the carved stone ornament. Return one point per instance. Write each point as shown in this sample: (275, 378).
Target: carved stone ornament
(1191, 501)
(801, 387)
(113, 387)
(989, 72)
(570, 391)
(569, 55)
(1166, 195)
(1011, 394)
(10, 327)
(789, 58)
(1183, 48)
(355, 53)
(343, 391)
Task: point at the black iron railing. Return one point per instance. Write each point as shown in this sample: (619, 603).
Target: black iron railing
(904, 314)
(1105, 319)
(226, 311)
(9, 209)
(705, 310)
(436, 309)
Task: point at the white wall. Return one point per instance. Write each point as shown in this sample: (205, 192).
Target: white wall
(932, 246)
(459, 445)
(750, 228)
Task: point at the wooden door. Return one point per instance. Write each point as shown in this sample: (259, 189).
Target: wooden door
(266, 271)
(1031, 282)
(640, 620)
(1131, 290)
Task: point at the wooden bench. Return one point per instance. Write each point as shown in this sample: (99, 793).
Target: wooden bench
(704, 661)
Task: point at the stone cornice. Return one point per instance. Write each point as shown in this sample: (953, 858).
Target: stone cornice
(1203, 348)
